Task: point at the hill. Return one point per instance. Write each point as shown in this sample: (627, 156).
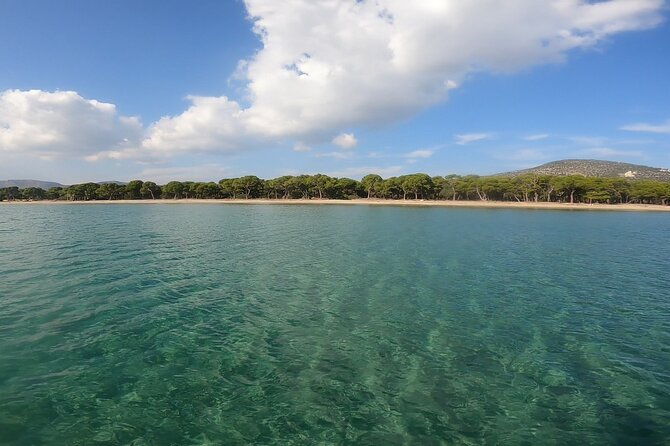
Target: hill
(46, 185)
(597, 168)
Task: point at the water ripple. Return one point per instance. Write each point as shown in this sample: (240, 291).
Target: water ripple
(332, 325)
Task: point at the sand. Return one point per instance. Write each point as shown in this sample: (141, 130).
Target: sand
(372, 202)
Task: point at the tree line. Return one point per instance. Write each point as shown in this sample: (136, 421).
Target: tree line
(419, 186)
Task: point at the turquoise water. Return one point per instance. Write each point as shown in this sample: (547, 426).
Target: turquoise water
(212, 324)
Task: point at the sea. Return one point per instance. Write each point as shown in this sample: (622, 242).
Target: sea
(197, 324)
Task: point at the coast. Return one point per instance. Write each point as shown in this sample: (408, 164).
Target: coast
(630, 207)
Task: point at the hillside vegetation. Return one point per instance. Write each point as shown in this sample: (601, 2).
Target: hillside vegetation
(597, 168)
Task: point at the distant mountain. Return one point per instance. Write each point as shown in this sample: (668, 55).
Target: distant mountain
(46, 185)
(597, 168)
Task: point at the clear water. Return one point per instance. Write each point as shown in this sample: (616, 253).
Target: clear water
(211, 324)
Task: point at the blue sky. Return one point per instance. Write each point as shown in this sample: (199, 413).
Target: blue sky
(211, 89)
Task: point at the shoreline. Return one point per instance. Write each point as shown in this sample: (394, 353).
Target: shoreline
(368, 202)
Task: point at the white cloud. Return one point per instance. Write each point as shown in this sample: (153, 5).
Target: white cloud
(537, 137)
(301, 147)
(423, 153)
(471, 137)
(62, 124)
(345, 141)
(321, 63)
(651, 128)
(210, 123)
(328, 66)
(606, 152)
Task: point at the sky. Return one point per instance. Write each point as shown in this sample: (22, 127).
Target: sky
(208, 89)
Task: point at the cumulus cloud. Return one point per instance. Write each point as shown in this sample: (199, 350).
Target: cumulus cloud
(328, 66)
(63, 124)
(650, 128)
(345, 141)
(209, 123)
(331, 65)
(468, 138)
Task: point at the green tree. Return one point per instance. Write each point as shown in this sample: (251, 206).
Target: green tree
(300, 184)
(228, 188)
(492, 188)
(439, 184)
(598, 196)
(620, 190)
(531, 187)
(54, 193)
(348, 188)
(189, 189)
(285, 186)
(109, 191)
(149, 188)
(597, 190)
(391, 188)
(208, 190)
(83, 191)
(451, 185)
(134, 190)
(174, 188)
(33, 193)
(569, 187)
(466, 186)
(12, 193)
(250, 186)
(650, 192)
(70, 193)
(418, 184)
(372, 184)
(319, 183)
(273, 188)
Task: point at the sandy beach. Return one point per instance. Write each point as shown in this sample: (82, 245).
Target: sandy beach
(368, 202)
